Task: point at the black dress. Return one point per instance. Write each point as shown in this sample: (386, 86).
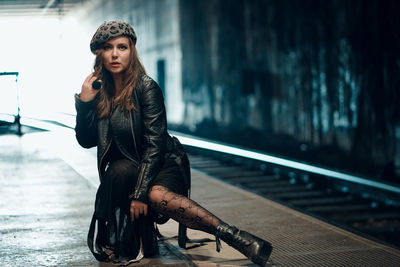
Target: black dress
(112, 206)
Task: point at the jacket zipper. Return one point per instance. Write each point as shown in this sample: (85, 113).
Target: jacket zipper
(133, 135)
(108, 146)
(101, 160)
(139, 182)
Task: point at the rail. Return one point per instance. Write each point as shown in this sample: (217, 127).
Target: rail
(241, 152)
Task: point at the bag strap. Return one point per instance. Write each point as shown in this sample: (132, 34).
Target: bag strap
(102, 256)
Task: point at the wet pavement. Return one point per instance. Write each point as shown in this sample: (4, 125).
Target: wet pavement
(46, 207)
(47, 191)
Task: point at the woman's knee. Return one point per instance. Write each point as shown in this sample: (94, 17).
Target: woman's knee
(156, 193)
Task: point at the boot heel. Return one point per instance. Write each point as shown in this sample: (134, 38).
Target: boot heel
(253, 247)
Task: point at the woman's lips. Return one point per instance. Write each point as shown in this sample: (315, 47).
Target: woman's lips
(115, 64)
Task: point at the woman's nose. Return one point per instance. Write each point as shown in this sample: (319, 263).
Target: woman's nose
(114, 53)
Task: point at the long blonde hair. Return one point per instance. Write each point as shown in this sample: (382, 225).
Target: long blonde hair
(132, 74)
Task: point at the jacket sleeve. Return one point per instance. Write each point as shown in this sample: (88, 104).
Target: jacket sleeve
(86, 123)
(154, 138)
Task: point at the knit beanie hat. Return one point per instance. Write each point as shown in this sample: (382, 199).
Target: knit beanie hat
(110, 30)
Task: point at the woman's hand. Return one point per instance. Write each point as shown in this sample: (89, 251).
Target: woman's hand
(137, 208)
(87, 92)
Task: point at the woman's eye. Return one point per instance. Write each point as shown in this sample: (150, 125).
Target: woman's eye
(123, 47)
(107, 47)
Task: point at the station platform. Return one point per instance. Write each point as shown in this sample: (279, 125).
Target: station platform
(47, 191)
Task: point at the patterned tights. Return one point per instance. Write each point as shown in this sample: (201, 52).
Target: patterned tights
(182, 209)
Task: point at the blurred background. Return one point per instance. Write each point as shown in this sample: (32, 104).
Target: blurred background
(314, 81)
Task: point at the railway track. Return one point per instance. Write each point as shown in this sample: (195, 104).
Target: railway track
(366, 211)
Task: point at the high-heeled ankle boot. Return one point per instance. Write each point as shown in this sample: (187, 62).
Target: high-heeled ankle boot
(253, 247)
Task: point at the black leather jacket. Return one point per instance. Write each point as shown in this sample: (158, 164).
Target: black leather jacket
(140, 135)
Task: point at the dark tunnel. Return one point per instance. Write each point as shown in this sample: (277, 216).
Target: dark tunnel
(308, 88)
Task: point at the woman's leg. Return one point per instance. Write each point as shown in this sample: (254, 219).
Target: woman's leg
(182, 209)
(191, 214)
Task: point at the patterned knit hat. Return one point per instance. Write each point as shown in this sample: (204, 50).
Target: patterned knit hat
(110, 30)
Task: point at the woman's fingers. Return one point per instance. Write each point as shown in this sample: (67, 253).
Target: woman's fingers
(91, 80)
(88, 78)
(133, 211)
(145, 210)
(137, 208)
(87, 84)
(137, 213)
(87, 92)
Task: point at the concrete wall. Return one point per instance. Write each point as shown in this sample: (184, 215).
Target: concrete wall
(283, 70)
(319, 72)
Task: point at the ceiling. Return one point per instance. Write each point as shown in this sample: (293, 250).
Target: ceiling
(37, 7)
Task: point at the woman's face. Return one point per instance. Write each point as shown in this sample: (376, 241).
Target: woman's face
(116, 55)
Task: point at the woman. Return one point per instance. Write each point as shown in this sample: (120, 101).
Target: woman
(144, 172)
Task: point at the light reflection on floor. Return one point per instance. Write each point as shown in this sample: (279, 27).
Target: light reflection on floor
(45, 205)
